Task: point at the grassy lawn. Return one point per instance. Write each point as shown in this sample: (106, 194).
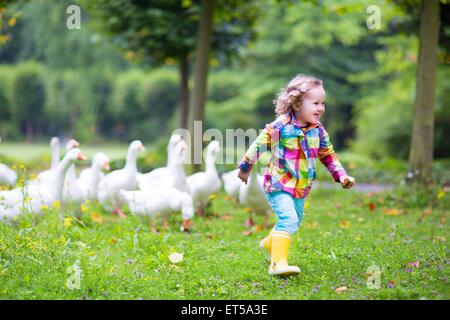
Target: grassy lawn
(343, 233)
(26, 152)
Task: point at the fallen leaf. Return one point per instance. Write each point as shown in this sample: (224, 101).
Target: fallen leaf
(176, 257)
(344, 224)
(212, 196)
(246, 233)
(226, 217)
(95, 217)
(392, 211)
(341, 289)
(427, 212)
(258, 227)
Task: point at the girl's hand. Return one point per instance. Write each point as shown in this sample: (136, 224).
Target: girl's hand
(347, 182)
(243, 175)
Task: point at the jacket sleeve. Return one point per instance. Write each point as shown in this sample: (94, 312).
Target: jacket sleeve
(328, 157)
(266, 140)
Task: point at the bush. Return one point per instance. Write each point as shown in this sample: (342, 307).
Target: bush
(6, 109)
(159, 98)
(28, 96)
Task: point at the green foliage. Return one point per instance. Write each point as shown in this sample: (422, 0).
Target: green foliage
(6, 109)
(160, 96)
(29, 94)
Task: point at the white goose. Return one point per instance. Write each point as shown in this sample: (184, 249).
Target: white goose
(231, 183)
(148, 178)
(175, 177)
(161, 201)
(89, 178)
(72, 192)
(125, 179)
(7, 175)
(31, 198)
(204, 184)
(251, 195)
(47, 175)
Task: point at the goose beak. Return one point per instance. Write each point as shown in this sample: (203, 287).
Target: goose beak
(106, 166)
(141, 148)
(81, 157)
(76, 144)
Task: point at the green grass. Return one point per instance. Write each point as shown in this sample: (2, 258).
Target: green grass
(25, 152)
(340, 237)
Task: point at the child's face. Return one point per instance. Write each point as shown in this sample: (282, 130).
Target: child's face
(312, 106)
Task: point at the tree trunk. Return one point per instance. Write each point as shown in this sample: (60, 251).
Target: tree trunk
(29, 131)
(422, 139)
(184, 91)
(201, 77)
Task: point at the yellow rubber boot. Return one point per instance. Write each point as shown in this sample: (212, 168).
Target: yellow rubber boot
(266, 244)
(280, 248)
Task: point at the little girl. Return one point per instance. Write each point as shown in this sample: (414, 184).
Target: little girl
(295, 139)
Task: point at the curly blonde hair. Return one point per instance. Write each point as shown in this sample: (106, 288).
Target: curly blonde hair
(293, 93)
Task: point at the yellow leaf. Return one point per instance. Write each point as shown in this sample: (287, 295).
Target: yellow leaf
(212, 196)
(392, 211)
(341, 289)
(12, 22)
(441, 194)
(344, 224)
(95, 217)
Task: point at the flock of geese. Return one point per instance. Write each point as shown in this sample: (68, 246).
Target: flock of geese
(162, 190)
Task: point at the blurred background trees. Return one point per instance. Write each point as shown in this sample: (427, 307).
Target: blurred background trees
(127, 72)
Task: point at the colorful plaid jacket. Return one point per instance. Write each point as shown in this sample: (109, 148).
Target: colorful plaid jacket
(294, 152)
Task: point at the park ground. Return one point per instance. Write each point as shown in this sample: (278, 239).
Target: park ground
(347, 241)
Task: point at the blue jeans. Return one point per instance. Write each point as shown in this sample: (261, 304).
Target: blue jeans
(288, 209)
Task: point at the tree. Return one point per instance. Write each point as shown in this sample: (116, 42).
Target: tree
(201, 69)
(164, 32)
(422, 140)
(29, 97)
